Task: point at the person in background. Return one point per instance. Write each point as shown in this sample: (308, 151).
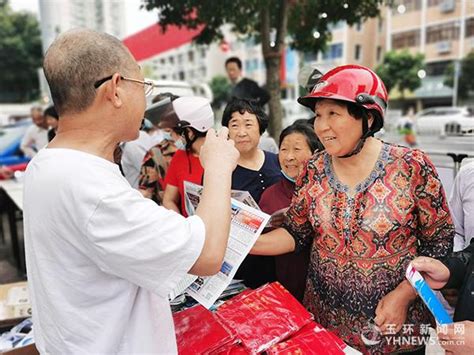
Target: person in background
(36, 136)
(133, 153)
(267, 143)
(454, 272)
(406, 127)
(297, 144)
(101, 258)
(195, 119)
(52, 118)
(158, 158)
(461, 203)
(241, 87)
(256, 170)
(366, 208)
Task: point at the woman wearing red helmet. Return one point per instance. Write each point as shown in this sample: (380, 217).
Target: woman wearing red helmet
(366, 208)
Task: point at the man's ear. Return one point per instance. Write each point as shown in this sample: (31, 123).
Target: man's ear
(114, 91)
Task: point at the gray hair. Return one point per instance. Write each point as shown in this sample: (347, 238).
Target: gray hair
(76, 60)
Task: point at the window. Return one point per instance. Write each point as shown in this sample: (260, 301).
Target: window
(437, 68)
(359, 26)
(181, 75)
(380, 24)
(444, 32)
(410, 5)
(180, 59)
(248, 65)
(379, 54)
(357, 52)
(309, 57)
(406, 39)
(171, 60)
(335, 26)
(191, 56)
(470, 27)
(255, 64)
(434, 2)
(334, 51)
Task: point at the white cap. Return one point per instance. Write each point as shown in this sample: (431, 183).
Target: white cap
(195, 112)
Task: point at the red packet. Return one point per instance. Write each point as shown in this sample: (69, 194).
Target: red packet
(199, 332)
(264, 317)
(231, 349)
(312, 339)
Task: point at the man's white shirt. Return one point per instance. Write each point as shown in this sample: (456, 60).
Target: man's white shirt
(101, 259)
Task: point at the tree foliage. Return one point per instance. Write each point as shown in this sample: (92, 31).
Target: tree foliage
(20, 53)
(465, 83)
(400, 69)
(273, 23)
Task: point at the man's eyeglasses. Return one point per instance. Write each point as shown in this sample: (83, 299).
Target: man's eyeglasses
(148, 85)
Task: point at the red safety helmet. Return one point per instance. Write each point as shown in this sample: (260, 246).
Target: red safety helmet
(352, 83)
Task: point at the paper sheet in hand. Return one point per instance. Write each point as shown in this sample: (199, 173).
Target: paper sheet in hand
(246, 225)
(193, 192)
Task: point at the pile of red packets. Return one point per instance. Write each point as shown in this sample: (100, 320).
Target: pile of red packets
(268, 319)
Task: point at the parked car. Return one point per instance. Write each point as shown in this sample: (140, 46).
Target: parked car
(445, 121)
(10, 139)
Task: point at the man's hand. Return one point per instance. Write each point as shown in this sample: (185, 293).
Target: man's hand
(436, 274)
(457, 338)
(218, 152)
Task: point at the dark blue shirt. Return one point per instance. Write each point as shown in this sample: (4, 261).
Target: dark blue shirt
(256, 181)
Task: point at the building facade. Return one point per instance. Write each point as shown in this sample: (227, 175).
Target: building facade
(363, 43)
(58, 16)
(442, 30)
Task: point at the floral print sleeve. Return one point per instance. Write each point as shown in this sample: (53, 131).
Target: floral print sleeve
(435, 230)
(297, 221)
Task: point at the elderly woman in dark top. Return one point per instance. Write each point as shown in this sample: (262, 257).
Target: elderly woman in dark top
(366, 208)
(296, 146)
(256, 170)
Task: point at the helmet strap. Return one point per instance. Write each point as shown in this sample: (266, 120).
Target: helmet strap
(366, 132)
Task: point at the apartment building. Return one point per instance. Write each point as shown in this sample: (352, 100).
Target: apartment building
(58, 16)
(363, 43)
(443, 30)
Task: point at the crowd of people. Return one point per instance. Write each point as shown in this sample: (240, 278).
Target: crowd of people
(349, 211)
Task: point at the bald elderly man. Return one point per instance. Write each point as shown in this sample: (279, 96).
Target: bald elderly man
(101, 258)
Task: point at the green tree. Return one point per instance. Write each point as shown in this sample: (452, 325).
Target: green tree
(465, 82)
(20, 54)
(274, 23)
(400, 69)
(220, 87)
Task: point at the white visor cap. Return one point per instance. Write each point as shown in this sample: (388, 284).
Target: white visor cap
(195, 112)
